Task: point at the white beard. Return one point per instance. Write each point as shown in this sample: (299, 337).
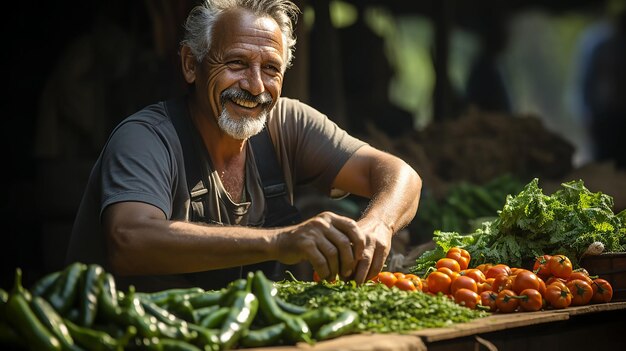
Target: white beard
(243, 128)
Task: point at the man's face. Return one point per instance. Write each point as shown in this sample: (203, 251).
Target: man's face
(243, 71)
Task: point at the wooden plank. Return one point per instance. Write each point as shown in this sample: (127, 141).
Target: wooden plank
(359, 342)
(611, 306)
(491, 323)
(416, 340)
(498, 322)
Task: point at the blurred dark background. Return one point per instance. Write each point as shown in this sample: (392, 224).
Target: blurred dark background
(465, 91)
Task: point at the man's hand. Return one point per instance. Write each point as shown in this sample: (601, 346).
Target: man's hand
(377, 247)
(333, 244)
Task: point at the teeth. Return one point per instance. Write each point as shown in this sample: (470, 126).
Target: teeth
(245, 103)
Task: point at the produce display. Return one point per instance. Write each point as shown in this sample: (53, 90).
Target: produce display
(572, 221)
(551, 284)
(80, 308)
(381, 308)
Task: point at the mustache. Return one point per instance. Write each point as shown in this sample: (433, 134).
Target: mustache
(264, 98)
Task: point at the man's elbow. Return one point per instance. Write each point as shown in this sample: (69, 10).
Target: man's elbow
(120, 252)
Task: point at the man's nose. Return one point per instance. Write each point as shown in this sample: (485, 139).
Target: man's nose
(253, 82)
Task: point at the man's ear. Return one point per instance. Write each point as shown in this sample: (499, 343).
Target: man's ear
(189, 63)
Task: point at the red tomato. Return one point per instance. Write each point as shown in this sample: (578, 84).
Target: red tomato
(415, 279)
(387, 278)
(447, 271)
(497, 269)
(525, 279)
(602, 291)
(542, 287)
(501, 282)
(424, 285)
(484, 267)
(553, 279)
(463, 282)
(581, 292)
(488, 298)
(531, 300)
(450, 263)
(475, 274)
(558, 295)
(439, 282)
(316, 277)
(467, 298)
(541, 266)
(405, 284)
(582, 275)
(507, 301)
(560, 266)
(399, 275)
(460, 255)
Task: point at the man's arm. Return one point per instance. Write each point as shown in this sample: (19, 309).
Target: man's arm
(393, 188)
(141, 241)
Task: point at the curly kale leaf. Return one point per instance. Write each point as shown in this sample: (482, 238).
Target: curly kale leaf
(532, 223)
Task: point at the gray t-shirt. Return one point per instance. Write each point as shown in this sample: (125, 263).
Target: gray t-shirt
(143, 162)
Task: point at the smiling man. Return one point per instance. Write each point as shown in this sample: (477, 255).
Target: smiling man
(197, 190)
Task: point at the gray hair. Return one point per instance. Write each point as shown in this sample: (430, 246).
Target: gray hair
(202, 18)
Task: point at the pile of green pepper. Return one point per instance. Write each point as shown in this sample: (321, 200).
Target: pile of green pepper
(80, 308)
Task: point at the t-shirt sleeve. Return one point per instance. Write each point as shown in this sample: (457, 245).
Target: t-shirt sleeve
(137, 166)
(316, 147)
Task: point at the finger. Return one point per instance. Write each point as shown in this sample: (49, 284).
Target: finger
(350, 229)
(319, 263)
(330, 253)
(377, 264)
(344, 246)
(362, 268)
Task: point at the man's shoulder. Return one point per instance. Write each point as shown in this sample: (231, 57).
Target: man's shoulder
(292, 107)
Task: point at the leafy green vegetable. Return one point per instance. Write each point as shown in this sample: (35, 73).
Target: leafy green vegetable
(532, 223)
(380, 309)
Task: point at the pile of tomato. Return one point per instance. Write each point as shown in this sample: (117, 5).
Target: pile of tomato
(552, 283)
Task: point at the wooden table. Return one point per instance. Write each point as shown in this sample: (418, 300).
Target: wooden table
(593, 327)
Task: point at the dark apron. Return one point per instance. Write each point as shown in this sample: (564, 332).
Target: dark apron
(278, 211)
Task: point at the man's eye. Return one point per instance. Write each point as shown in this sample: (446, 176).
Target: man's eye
(272, 68)
(236, 64)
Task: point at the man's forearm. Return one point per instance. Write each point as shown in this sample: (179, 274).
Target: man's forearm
(396, 195)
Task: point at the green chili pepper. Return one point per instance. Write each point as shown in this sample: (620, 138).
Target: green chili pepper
(53, 321)
(200, 313)
(205, 299)
(345, 323)
(216, 318)
(133, 313)
(179, 330)
(267, 336)
(296, 329)
(183, 310)
(64, 292)
(92, 339)
(108, 305)
(266, 292)
(90, 289)
(206, 338)
(44, 285)
(238, 320)
(290, 307)
(315, 318)
(22, 318)
(164, 296)
(231, 290)
(177, 345)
